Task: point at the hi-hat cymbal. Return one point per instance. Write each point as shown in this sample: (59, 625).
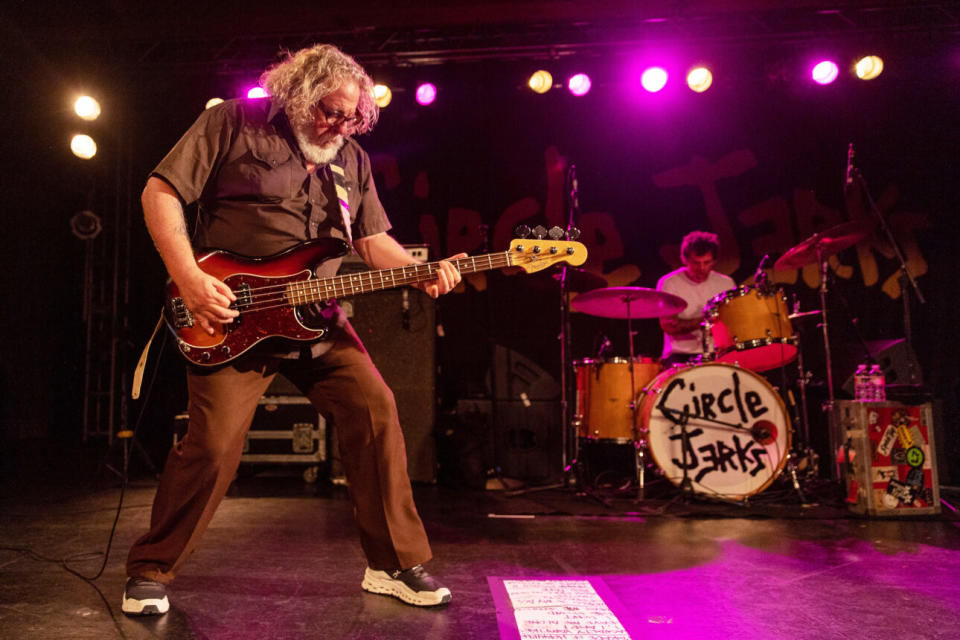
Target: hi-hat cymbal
(629, 302)
(824, 244)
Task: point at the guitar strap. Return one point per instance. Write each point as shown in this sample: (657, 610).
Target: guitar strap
(142, 362)
(342, 198)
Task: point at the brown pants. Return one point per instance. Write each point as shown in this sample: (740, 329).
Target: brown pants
(345, 386)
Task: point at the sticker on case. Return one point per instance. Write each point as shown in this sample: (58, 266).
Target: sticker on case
(901, 491)
(883, 474)
(915, 479)
(887, 440)
(915, 457)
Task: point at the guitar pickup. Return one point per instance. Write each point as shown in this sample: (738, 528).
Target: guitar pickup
(244, 301)
(181, 316)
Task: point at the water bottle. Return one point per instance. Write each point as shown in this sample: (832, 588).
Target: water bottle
(878, 384)
(861, 387)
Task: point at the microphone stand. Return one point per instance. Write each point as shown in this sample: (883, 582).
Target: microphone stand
(905, 275)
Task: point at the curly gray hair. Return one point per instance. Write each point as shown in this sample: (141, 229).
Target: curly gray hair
(303, 78)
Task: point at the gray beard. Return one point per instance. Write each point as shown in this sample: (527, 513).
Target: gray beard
(318, 154)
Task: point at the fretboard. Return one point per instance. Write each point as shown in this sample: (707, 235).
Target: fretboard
(318, 290)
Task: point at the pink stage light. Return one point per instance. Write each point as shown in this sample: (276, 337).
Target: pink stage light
(426, 93)
(258, 92)
(654, 79)
(579, 84)
(825, 72)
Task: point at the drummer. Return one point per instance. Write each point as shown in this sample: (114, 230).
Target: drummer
(696, 282)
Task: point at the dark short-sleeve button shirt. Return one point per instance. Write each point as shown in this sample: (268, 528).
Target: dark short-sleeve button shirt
(241, 163)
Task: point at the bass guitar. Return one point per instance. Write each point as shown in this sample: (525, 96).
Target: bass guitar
(272, 291)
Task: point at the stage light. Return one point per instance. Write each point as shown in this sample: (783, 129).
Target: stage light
(579, 84)
(212, 102)
(258, 92)
(87, 108)
(699, 79)
(382, 95)
(825, 72)
(426, 93)
(83, 146)
(541, 81)
(654, 79)
(869, 67)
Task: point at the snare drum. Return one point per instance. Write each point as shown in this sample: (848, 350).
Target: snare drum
(751, 328)
(604, 395)
(737, 428)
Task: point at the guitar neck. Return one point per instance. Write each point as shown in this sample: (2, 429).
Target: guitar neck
(321, 289)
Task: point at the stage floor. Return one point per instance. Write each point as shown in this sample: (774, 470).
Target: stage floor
(281, 560)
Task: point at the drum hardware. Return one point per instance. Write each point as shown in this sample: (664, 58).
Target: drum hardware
(630, 303)
(818, 248)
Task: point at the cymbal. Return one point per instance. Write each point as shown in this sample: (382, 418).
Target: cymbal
(632, 302)
(824, 244)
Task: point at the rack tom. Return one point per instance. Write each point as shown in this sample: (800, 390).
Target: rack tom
(750, 327)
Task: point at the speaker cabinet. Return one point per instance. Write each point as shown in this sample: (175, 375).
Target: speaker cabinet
(398, 328)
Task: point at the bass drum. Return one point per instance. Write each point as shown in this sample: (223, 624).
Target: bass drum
(737, 429)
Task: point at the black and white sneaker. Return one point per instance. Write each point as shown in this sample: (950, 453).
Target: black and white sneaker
(142, 597)
(414, 586)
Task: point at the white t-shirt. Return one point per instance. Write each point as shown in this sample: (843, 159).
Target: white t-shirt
(697, 296)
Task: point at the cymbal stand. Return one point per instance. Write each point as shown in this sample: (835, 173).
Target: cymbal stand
(802, 381)
(638, 444)
(834, 429)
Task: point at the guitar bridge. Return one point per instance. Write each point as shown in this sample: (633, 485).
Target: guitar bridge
(180, 315)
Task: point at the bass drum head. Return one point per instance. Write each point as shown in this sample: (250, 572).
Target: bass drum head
(737, 429)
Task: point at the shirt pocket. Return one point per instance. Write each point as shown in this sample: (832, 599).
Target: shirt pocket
(266, 173)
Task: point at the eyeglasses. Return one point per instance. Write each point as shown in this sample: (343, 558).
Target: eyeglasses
(338, 118)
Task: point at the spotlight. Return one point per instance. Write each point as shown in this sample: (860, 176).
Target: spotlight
(212, 102)
(699, 79)
(426, 93)
(258, 92)
(87, 108)
(579, 84)
(654, 79)
(83, 146)
(382, 95)
(869, 67)
(825, 72)
(541, 81)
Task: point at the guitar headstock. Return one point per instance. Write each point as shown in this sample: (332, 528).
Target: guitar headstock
(535, 254)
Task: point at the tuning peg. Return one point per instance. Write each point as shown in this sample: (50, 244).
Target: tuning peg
(573, 233)
(522, 231)
(555, 233)
(539, 232)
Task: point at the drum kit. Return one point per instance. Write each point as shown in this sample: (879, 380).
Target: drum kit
(715, 426)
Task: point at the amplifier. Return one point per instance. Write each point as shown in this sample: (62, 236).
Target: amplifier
(889, 457)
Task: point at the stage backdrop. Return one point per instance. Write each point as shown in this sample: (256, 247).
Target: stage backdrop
(759, 159)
